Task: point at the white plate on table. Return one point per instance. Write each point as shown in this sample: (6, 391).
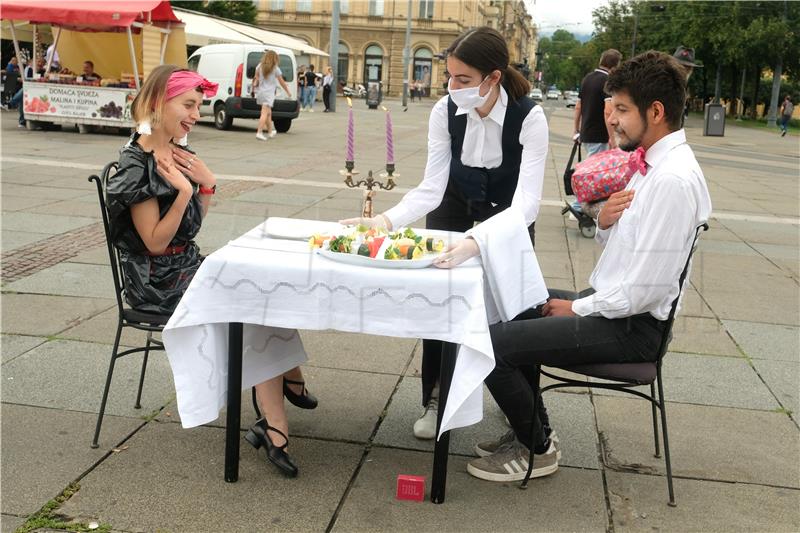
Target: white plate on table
(295, 229)
(360, 260)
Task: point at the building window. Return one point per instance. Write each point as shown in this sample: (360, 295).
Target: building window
(343, 65)
(375, 8)
(373, 63)
(426, 9)
(304, 6)
(423, 59)
(276, 5)
(344, 6)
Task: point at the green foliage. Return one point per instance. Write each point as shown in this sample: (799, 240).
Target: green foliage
(243, 11)
(47, 518)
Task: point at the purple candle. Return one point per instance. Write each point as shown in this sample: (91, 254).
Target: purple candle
(389, 139)
(349, 156)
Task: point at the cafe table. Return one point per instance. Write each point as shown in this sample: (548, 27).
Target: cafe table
(237, 323)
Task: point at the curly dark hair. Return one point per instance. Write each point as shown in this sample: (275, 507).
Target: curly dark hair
(650, 77)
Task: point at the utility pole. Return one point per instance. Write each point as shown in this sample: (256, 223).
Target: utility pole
(406, 55)
(333, 59)
(776, 81)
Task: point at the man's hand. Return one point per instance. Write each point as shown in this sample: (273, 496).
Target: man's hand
(612, 210)
(555, 307)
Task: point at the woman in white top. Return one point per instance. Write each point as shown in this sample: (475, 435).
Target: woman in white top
(265, 82)
(327, 86)
(487, 146)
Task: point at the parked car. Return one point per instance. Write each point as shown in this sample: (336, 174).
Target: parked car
(553, 94)
(536, 95)
(572, 98)
(233, 66)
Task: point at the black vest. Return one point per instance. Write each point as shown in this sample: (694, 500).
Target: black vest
(488, 185)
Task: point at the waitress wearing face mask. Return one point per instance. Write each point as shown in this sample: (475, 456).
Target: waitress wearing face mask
(487, 145)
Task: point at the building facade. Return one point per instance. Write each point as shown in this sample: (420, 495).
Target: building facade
(372, 35)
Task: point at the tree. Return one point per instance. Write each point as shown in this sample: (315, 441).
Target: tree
(230, 9)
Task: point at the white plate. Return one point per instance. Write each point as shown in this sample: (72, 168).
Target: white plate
(360, 260)
(295, 229)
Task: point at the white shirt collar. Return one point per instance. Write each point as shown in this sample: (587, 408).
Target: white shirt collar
(498, 112)
(656, 153)
(604, 71)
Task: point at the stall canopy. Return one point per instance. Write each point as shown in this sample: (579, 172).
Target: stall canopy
(202, 29)
(87, 14)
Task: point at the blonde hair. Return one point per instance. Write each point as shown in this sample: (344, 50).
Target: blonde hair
(268, 63)
(149, 102)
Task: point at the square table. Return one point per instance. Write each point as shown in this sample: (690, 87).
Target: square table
(236, 327)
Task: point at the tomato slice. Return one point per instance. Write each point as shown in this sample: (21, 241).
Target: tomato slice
(374, 245)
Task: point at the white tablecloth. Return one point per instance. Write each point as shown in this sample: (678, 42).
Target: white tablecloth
(274, 286)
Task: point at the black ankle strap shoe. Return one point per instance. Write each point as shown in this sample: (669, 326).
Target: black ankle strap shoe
(303, 401)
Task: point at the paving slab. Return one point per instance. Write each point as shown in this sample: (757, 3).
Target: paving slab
(692, 305)
(639, 503)
(68, 279)
(764, 232)
(42, 191)
(9, 523)
(701, 335)
(714, 443)
(219, 228)
(71, 208)
(171, 479)
(102, 328)
(18, 203)
(471, 504)
(50, 224)
(53, 313)
(570, 414)
(15, 345)
(776, 342)
(711, 380)
(70, 375)
(97, 255)
(783, 379)
(254, 209)
(744, 299)
(14, 239)
(353, 351)
(50, 449)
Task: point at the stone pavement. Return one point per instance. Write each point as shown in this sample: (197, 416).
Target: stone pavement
(731, 379)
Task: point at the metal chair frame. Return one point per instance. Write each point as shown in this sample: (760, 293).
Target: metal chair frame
(126, 318)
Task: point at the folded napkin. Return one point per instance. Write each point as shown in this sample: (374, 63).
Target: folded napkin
(513, 276)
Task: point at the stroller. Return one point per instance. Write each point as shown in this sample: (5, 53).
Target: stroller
(587, 212)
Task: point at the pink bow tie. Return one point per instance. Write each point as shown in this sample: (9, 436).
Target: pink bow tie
(636, 161)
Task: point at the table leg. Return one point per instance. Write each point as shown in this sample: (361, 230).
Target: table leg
(235, 341)
(442, 447)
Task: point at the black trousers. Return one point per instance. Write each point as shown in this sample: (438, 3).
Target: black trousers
(531, 339)
(455, 213)
(326, 96)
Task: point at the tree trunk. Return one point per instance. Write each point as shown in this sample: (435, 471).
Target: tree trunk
(732, 110)
(718, 84)
(705, 85)
(757, 85)
(776, 93)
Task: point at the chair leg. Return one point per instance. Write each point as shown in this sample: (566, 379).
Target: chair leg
(655, 421)
(255, 404)
(663, 407)
(524, 484)
(138, 404)
(107, 387)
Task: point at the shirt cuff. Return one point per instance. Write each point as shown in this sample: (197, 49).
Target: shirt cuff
(398, 216)
(583, 306)
(601, 235)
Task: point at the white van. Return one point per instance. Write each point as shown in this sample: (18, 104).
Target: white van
(233, 66)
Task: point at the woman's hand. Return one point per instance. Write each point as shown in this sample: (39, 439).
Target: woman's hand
(457, 254)
(380, 221)
(172, 174)
(193, 166)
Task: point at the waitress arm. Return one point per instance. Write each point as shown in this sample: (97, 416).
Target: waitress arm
(534, 139)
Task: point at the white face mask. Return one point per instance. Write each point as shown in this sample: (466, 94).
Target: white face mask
(470, 97)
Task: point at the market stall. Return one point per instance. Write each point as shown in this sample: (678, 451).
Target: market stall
(124, 40)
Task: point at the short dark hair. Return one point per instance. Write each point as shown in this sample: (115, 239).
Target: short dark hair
(87, 62)
(650, 77)
(610, 58)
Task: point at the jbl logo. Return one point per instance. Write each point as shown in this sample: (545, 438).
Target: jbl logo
(410, 487)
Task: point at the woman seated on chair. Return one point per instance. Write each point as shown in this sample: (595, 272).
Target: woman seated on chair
(156, 204)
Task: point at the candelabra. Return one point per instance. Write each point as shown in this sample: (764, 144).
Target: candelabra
(369, 184)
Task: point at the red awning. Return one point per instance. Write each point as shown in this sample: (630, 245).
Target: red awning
(93, 14)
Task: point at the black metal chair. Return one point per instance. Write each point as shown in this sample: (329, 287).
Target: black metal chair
(625, 376)
(127, 318)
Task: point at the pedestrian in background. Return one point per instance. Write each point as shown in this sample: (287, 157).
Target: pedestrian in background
(327, 85)
(268, 76)
(301, 85)
(787, 108)
(310, 92)
(590, 123)
(685, 57)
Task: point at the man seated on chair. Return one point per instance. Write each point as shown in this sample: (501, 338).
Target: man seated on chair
(647, 230)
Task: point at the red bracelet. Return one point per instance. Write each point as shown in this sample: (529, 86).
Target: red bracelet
(208, 191)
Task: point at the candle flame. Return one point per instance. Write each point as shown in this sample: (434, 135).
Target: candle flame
(349, 102)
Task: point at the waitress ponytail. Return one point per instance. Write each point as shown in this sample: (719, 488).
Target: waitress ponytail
(485, 50)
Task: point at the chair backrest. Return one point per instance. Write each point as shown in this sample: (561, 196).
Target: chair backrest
(113, 254)
(662, 349)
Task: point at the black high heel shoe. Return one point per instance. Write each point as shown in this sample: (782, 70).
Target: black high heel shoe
(257, 437)
(303, 401)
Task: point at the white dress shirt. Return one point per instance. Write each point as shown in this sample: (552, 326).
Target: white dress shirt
(646, 249)
(482, 148)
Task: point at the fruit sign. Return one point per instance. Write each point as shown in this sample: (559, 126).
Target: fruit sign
(96, 105)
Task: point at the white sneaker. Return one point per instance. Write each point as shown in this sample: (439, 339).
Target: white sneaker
(425, 427)
(272, 134)
(310, 109)
(260, 137)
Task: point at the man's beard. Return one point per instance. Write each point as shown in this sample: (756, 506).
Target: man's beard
(631, 144)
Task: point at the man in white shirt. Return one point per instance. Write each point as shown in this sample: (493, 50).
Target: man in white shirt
(647, 229)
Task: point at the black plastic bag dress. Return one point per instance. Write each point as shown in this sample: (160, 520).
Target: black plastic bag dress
(154, 284)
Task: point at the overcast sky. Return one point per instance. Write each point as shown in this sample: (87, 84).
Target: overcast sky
(575, 16)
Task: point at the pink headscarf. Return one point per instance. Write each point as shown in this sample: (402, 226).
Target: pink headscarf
(181, 81)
